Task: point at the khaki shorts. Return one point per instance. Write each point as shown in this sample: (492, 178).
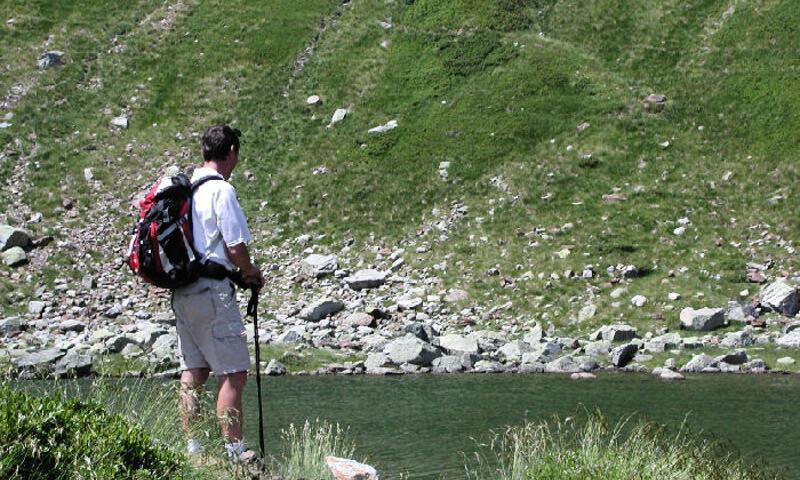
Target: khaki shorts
(210, 329)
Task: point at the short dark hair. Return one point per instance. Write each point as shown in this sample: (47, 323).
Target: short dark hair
(217, 142)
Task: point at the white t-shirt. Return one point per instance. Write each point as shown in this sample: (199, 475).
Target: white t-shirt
(216, 212)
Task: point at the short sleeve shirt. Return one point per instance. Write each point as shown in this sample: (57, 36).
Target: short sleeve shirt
(217, 218)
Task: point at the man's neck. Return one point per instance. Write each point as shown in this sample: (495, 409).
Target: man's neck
(218, 168)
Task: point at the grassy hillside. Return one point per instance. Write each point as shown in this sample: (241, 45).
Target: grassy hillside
(497, 88)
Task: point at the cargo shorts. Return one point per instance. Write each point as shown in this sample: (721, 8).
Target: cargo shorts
(210, 329)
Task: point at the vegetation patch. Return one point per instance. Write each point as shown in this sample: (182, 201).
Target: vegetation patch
(52, 437)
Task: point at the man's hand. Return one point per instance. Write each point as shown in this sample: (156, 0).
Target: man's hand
(240, 257)
(254, 277)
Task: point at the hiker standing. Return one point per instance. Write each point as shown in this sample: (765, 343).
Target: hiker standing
(211, 334)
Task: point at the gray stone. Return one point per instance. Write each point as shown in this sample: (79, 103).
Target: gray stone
(614, 333)
(534, 336)
(36, 307)
(456, 295)
(321, 309)
(513, 351)
(742, 338)
(10, 325)
(114, 311)
(368, 278)
(420, 330)
(734, 358)
(73, 365)
(565, 364)
(599, 348)
(703, 319)
(292, 335)
(71, 326)
(582, 376)
(455, 344)
(622, 355)
(13, 237)
(670, 375)
(132, 350)
(49, 59)
(447, 364)
(412, 303)
(39, 359)
(489, 366)
(700, 363)
(359, 319)
(275, 368)
(376, 360)
(781, 297)
(662, 343)
(587, 312)
(542, 352)
(740, 312)
(654, 103)
(756, 365)
(118, 343)
(410, 349)
(88, 282)
(790, 340)
(14, 257)
(318, 266)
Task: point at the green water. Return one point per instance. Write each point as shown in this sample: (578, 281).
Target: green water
(420, 425)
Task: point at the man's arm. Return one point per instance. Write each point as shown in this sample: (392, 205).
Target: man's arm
(240, 256)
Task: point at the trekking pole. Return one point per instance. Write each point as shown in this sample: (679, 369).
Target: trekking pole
(252, 310)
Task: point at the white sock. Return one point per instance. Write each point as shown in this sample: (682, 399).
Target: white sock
(235, 448)
(193, 446)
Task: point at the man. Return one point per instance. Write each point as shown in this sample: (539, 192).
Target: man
(211, 335)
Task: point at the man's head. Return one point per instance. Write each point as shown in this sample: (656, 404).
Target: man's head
(221, 146)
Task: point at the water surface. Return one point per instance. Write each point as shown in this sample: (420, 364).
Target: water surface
(420, 425)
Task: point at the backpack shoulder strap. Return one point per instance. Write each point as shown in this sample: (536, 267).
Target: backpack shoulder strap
(203, 180)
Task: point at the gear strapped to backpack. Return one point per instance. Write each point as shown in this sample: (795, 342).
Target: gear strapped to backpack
(162, 250)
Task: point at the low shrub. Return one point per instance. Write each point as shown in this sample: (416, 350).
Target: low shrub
(594, 450)
(56, 437)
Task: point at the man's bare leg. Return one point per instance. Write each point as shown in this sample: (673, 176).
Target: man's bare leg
(192, 382)
(229, 405)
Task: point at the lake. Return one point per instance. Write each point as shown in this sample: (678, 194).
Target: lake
(421, 426)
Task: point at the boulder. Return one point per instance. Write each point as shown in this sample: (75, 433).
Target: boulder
(410, 349)
(622, 355)
(412, 303)
(36, 307)
(740, 312)
(456, 295)
(73, 365)
(49, 59)
(599, 348)
(587, 312)
(447, 364)
(703, 319)
(488, 366)
(120, 122)
(39, 359)
(614, 333)
(321, 309)
(338, 116)
(291, 335)
(376, 360)
(13, 237)
(14, 257)
(700, 363)
(368, 278)
(781, 297)
(662, 343)
(345, 469)
(359, 319)
(420, 330)
(534, 335)
(513, 351)
(565, 364)
(275, 368)
(734, 358)
(10, 325)
(542, 352)
(318, 266)
(790, 340)
(71, 326)
(456, 344)
(741, 338)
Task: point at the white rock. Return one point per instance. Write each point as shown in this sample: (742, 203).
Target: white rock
(88, 175)
(338, 116)
(679, 231)
(390, 125)
(314, 100)
(120, 122)
(638, 301)
(345, 469)
(673, 296)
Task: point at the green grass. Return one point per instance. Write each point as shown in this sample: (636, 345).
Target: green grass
(592, 449)
(497, 88)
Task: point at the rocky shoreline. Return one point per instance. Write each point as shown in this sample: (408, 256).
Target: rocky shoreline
(393, 323)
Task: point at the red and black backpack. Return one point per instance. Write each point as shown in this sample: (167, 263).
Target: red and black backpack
(162, 250)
